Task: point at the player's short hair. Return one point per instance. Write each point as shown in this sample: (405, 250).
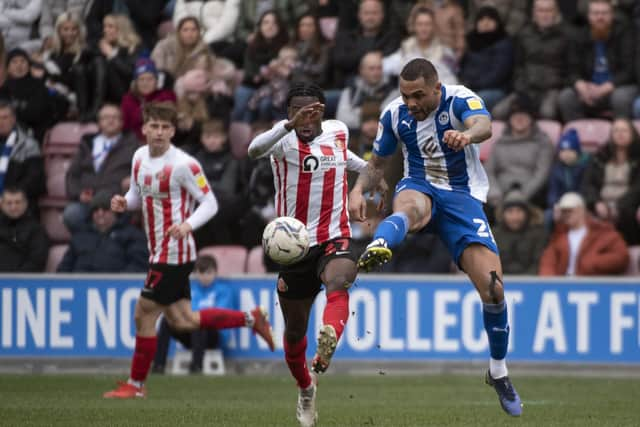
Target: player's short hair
(205, 263)
(419, 67)
(165, 111)
(213, 126)
(305, 89)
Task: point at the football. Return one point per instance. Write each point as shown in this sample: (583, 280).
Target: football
(285, 240)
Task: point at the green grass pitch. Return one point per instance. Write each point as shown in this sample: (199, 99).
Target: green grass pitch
(394, 401)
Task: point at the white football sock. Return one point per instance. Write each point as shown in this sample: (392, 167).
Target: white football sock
(498, 368)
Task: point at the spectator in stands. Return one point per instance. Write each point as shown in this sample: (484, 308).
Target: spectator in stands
(601, 71)
(206, 291)
(218, 17)
(361, 142)
(541, 49)
(369, 86)
(313, 52)
(72, 70)
(21, 163)
(567, 171)
(144, 88)
(270, 37)
(521, 157)
(24, 245)
(29, 96)
(611, 182)
(423, 43)
(581, 245)
(118, 50)
(51, 9)
(351, 44)
(147, 16)
(108, 244)
(184, 50)
(252, 12)
(520, 234)
(514, 13)
(101, 164)
(225, 174)
(17, 19)
(488, 61)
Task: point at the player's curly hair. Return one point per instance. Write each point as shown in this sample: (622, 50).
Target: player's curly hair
(305, 89)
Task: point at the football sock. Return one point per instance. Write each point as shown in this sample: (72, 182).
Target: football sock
(222, 318)
(295, 355)
(393, 229)
(142, 357)
(336, 312)
(497, 327)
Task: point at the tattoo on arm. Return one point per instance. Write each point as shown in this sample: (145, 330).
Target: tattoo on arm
(478, 128)
(372, 174)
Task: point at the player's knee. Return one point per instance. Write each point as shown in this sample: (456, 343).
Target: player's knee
(340, 281)
(295, 334)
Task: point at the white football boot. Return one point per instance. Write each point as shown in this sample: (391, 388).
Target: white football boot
(306, 409)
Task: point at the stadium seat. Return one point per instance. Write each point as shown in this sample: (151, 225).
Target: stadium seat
(231, 259)
(239, 139)
(552, 128)
(497, 129)
(55, 167)
(51, 219)
(593, 133)
(255, 261)
(634, 261)
(56, 253)
(328, 27)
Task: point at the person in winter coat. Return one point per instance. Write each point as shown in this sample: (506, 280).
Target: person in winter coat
(611, 182)
(488, 61)
(102, 163)
(144, 88)
(21, 164)
(17, 18)
(540, 50)
(218, 17)
(520, 234)
(24, 245)
(147, 16)
(109, 244)
(582, 245)
(521, 157)
(313, 52)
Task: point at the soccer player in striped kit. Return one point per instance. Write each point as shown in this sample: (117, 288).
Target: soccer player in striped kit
(310, 159)
(166, 183)
(444, 186)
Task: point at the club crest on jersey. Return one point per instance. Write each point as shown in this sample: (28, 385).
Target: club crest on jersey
(310, 163)
(161, 176)
(443, 118)
(339, 143)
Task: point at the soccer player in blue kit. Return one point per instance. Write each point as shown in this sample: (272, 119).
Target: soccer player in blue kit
(443, 189)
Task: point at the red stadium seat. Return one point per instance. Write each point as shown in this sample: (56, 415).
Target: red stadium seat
(634, 261)
(51, 219)
(231, 259)
(497, 129)
(255, 261)
(552, 128)
(56, 253)
(239, 139)
(593, 133)
(55, 167)
(64, 137)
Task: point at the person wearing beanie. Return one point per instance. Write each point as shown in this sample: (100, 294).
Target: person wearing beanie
(107, 244)
(488, 60)
(567, 170)
(144, 88)
(519, 234)
(521, 157)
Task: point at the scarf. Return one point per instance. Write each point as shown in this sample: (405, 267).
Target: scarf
(4, 157)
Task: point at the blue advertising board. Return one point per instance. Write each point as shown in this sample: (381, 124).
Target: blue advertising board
(392, 317)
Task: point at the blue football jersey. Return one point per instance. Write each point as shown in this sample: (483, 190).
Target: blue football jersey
(426, 156)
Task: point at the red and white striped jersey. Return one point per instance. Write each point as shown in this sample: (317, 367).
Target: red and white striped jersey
(168, 187)
(311, 180)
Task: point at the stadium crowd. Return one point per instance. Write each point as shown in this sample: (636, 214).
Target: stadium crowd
(560, 78)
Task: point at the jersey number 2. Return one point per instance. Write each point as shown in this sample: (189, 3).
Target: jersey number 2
(483, 228)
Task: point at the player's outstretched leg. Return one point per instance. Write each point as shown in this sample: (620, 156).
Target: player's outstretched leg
(334, 319)
(389, 233)
(221, 318)
(497, 327)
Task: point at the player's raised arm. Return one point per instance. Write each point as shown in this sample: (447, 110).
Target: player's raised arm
(369, 179)
(475, 119)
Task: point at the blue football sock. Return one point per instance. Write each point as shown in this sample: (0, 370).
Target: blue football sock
(497, 327)
(393, 229)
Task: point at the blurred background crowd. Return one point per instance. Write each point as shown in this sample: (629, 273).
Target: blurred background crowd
(560, 79)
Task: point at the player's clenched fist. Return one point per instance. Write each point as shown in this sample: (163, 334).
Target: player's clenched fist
(118, 203)
(456, 140)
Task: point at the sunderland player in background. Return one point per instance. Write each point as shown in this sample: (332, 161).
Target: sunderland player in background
(166, 183)
(310, 159)
(443, 189)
